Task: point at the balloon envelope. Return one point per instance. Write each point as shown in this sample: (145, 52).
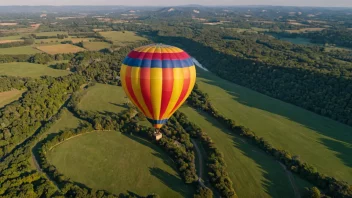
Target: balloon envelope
(158, 79)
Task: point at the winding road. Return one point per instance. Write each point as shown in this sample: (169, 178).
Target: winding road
(200, 163)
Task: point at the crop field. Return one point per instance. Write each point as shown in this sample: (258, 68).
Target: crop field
(60, 48)
(104, 98)
(121, 38)
(19, 50)
(320, 141)
(7, 97)
(118, 163)
(302, 30)
(9, 41)
(15, 37)
(253, 173)
(25, 69)
(95, 46)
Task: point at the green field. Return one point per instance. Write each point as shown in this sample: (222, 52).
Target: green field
(104, 98)
(95, 46)
(25, 69)
(121, 38)
(19, 50)
(303, 41)
(118, 163)
(67, 121)
(10, 96)
(16, 37)
(253, 173)
(322, 142)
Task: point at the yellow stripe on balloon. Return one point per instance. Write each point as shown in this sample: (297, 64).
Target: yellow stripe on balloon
(135, 80)
(156, 76)
(176, 91)
(192, 74)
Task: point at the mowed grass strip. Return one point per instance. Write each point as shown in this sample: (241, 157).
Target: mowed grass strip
(10, 96)
(253, 172)
(317, 140)
(60, 49)
(95, 46)
(104, 98)
(24, 69)
(120, 37)
(118, 163)
(19, 50)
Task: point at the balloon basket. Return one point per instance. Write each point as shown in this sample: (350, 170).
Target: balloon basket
(157, 135)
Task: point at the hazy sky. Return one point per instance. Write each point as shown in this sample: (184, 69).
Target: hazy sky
(334, 3)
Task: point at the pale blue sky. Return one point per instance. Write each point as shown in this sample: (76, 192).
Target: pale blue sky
(329, 3)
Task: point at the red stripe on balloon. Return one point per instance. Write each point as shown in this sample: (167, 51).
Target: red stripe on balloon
(130, 89)
(158, 56)
(186, 83)
(168, 83)
(145, 87)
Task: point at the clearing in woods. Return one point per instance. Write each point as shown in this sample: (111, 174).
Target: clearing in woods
(24, 69)
(253, 172)
(60, 49)
(121, 38)
(317, 140)
(118, 163)
(7, 97)
(104, 98)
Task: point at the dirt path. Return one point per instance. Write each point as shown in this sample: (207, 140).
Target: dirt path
(200, 162)
(292, 181)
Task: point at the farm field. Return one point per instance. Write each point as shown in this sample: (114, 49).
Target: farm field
(9, 41)
(60, 48)
(253, 173)
(118, 163)
(7, 97)
(302, 30)
(322, 142)
(15, 37)
(67, 121)
(25, 69)
(19, 50)
(121, 38)
(95, 46)
(50, 33)
(103, 98)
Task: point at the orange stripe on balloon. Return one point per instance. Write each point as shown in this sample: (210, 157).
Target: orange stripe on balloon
(130, 89)
(167, 83)
(145, 87)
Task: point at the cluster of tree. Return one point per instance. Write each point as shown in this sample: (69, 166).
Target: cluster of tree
(7, 83)
(17, 178)
(203, 193)
(14, 58)
(62, 66)
(215, 160)
(58, 36)
(17, 43)
(330, 185)
(20, 119)
(46, 58)
(304, 76)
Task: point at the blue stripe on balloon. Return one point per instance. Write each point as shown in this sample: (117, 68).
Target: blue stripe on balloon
(157, 121)
(135, 62)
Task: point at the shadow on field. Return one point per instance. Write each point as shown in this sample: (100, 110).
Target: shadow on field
(344, 151)
(171, 181)
(276, 181)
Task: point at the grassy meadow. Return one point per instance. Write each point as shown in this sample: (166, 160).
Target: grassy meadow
(95, 46)
(320, 141)
(60, 49)
(253, 173)
(121, 38)
(7, 97)
(104, 98)
(118, 163)
(19, 50)
(24, 69)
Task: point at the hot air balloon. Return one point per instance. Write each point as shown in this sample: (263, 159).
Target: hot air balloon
(158, 79)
